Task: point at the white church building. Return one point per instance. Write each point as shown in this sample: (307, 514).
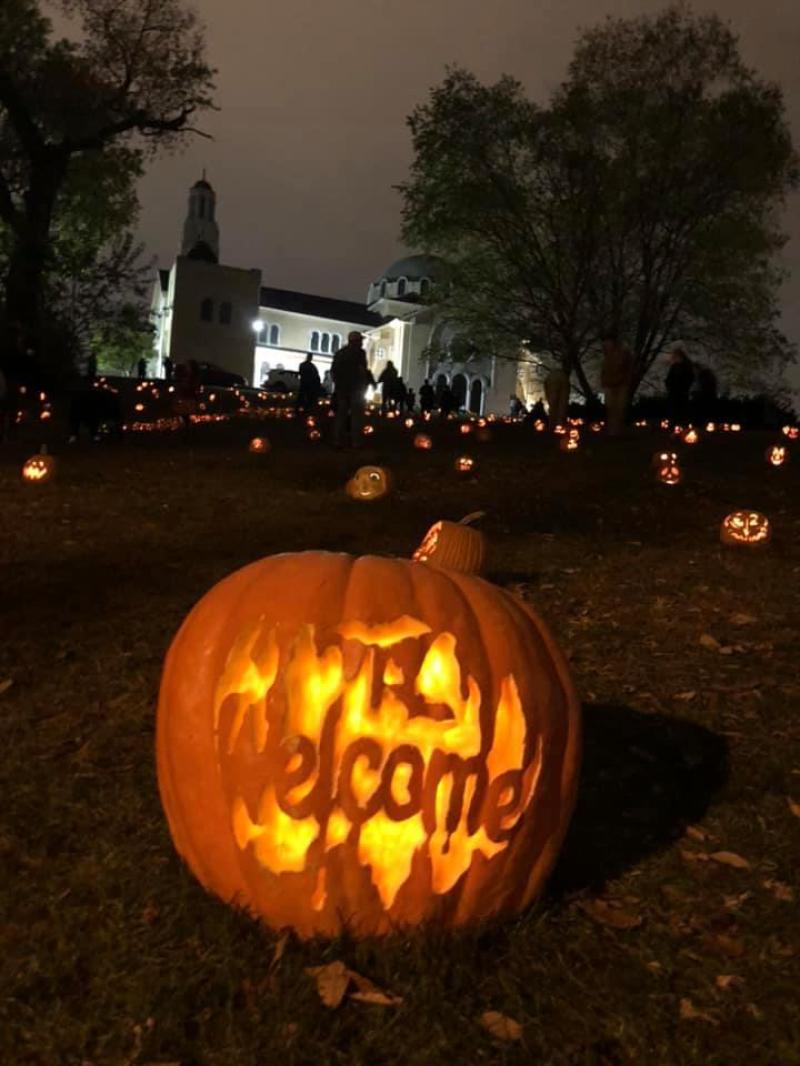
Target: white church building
(223, 315)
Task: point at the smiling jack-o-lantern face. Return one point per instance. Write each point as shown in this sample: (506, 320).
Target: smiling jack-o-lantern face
(747, 529)
(777, 455)
(258, 446)
(465, 464)
(368, 757)
(792, 432)
(369, 483)
(38, 468)
(423, 442)
(669, 473)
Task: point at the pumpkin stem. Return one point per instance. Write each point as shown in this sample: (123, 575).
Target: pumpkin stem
(470, 519)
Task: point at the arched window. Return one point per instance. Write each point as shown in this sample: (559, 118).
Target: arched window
(326, 343)
(225, 313)
(314, 341)
(207, 310)
(425, 286)
(274, 335)
(263, 333)
(401, 287)
(201, 208)
(336, 342)
(383, 289)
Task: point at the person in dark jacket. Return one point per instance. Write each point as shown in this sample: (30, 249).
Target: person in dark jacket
(678, 382)
(388, 382)
(309, 391)
(350, 375)
(427, 397)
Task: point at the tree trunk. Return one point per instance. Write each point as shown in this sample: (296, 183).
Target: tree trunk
(24, 282)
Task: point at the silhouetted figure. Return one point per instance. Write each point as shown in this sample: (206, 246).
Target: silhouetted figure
(141, 369)
(516, 408)
(411, 400)
(91, 366)
(556, 390)
(187, 386)
(615, 379)
(427, 397)
(706, 394)
(93, 408)
(350, 375)
(447, 401)
(400, 395)
(388, 382)
(169, 368)
(678, 382)
(309, 390)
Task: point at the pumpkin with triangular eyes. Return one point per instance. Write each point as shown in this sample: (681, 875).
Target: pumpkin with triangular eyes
(745, 529)
(369, 483)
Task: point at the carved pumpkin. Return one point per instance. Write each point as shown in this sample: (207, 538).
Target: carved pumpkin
(369, 483)
(314, 436)
(596, 427)
(258, 446)
(690, 436)
(747, 529)
(368, 429)
(423, 441)
(342, 744)
(669, 473)
(454, 546)
(409, 423)
(465, 428)
(465, 464)
(777, 455)
(39, 467)
(570, 441)
(792, 432)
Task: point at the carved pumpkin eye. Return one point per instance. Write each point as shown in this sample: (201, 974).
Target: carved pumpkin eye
(370, 772)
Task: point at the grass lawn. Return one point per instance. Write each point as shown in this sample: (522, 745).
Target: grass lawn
(112, 953)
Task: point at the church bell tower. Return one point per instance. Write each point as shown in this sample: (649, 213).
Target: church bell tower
(200, 230)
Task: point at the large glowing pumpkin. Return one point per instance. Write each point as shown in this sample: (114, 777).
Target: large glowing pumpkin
(745, 529)
(39, 467)
(366, 744)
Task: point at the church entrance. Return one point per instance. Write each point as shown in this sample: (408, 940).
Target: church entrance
(440, 384)
(476, 397)
(459, 388)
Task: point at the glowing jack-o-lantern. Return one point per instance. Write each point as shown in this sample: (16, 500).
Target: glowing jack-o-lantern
(409, 423)
(596, 427)
(777, 455)
(669, 473)
(465, 464)
(258, 446)
(314, 436)
(342, 745)
(570, 441)
(369, 483)
(690, 436)
(747, 529)
(663, 458)
(39, 468)
(368, 429)
(423, 441)
(465, 428)
(454, 546)
(792, 432)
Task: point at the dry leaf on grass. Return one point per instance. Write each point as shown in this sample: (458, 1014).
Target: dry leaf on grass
(501, 1026)
(332, 981)
(280, 948)
(728, 980)
(6, 685)
(614, 917)
(687, 696)
(696, 833)
(728, 945)
(779, 890)
(742, 619)
(693, 856)
(793, 807)
(709, 642)
(730, 858)
(690, 1013)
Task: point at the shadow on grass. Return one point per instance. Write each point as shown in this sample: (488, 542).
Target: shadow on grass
(645, 777)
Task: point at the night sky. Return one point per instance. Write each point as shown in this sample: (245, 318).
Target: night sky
(311, 134)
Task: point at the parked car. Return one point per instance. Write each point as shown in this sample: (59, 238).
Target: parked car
(282, 381)
(215, 375)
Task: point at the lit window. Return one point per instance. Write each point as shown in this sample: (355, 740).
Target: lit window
(383, 289)
(225, 313)
(336, 342)
(274, 335)
(207, 310)
(326, 342)
(315, 341)
(401, 287)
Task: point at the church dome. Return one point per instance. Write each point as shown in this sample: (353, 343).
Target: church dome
(409, 279)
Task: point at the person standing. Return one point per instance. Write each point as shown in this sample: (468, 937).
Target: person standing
(556, 391)
(615, 381)
(309, 390)
(388, 383)
(427, 397)
(350, 374)
(169, 367)
(141, 369)
(678, 382)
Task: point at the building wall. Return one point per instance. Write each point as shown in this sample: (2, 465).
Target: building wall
(229, 346)
(294, 340)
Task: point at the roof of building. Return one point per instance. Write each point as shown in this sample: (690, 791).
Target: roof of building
(304, 303)
(202, 184)
(415, 267)
(204, 252)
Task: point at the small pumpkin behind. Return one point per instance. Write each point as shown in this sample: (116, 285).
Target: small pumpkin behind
(369, 483)
(39, 468)
(454, 546)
